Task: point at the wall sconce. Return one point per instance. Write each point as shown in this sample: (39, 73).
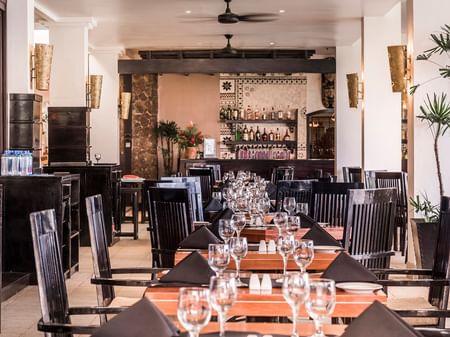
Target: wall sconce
(94, 91)
(354, 92)
(40, 71)
(398, 67)
(125, 102)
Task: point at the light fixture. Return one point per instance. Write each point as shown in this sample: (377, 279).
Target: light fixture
(94, 91)
(282, 11)
(272, 43)
(125, 102)
(40, 71)
(398, 67)
(188, 11)
(354, 91)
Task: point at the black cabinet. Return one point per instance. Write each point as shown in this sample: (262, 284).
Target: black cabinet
(26, 194)
(103, 179)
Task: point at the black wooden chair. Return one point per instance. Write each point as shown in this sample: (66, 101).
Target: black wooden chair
(170, 222)
(433, 310)
(399, 181)
(329, 202)
(369, 225)
(103, 272)
(56, 313)
(207, 181)
(352, 174)
(299, 189)
(282, 173)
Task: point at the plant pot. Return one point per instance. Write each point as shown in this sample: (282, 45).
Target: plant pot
(191, 152)
(425, 235)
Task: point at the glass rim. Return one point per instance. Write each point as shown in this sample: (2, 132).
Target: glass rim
(322, 281)
(192, 289)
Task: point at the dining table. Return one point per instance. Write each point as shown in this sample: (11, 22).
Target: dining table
(270, 232)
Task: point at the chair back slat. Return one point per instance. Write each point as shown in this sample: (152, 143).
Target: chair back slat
(49, 269)
(352, 174)
(207, 180)
(329, 202)
(171, 217)
(299, 189)
(369, 226)
(99, 248)
(282, 173)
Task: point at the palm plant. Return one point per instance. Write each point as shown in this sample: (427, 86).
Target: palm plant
(167, 132)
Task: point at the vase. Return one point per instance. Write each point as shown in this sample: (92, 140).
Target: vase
(425, 236)
(191, 152)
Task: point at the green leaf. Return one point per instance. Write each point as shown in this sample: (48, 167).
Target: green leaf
(413, 88)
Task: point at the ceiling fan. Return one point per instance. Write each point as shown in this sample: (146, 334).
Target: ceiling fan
(228, 17)
(228, 48)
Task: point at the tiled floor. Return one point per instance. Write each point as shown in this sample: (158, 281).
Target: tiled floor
(21, 312)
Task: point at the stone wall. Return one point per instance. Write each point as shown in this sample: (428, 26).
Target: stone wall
(144, 110)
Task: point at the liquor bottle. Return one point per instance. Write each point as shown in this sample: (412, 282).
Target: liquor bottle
(286, 136)
(222, 113)
(237, 135)
(271, 136)
(256, 111)
(280, 114)
(235, 113)
(264, 136)
(251, 134)
(277, 135)
(264, 114)
(244, 134)
(241, 113)
(250, 115)
(273, 114)
(288, 115)
(229, 112)
(257, 134)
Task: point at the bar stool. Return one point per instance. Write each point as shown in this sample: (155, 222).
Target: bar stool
(130, 190)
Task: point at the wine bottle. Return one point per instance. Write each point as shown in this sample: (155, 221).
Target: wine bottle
(237, 135)
(235, 113)
(242, 113)
(288, 115)
(286, 136)
(222, 113)
(250, 115)
(280, 114)
(271, 136)
(273, 114)
(257, 134)
(264, 136)
(256, 111)
(229, 113)
(277, 135)
(251, 134)
(264, 114)
(245, 134)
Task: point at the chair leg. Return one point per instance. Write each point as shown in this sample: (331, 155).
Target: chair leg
(396, 238)
(135, 216)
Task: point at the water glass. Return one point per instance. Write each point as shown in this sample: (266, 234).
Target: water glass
(194, 310)
(321, 302)
(302, 207)
(285, 247)
(238, 223)
(239, 249)
(218, 257)
(226, 229)
(280, 221)
(303, 253)
(293, 225)
(289, 204)
(295, 292)
(217, 196)
(223, 294)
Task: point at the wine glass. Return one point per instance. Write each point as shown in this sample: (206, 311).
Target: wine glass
(285, 247)
(194, 310)
(321, 303)
(242, 203)
(226, 229)
(97, 157)
(280, 219)
(293, 225)
(239, 249)
(217, 196)
(218, 257)
(289, 204)
(303, 253)
(302, 207)
(238, 223)
(223, 293)
(295, 292)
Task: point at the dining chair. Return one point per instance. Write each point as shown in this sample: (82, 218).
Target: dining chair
(352, 174)
(171, 221)
(433, 310)
(103, 273)
(399, 181)
(282, 173)
(299, 189)
(56, 313)
(329, 202)
(207, 181)
(369, 225)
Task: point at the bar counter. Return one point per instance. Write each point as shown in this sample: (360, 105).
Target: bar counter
(303, 167)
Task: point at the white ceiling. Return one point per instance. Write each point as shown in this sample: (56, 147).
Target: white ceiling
(161, 24)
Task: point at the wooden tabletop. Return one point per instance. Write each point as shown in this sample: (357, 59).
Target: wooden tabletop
(269, 261)
(256, 234)
(273, 304)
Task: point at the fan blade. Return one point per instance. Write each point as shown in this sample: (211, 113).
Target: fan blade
(199, 20)
(261, 17)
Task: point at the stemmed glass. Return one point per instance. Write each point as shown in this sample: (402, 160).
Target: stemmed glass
(194, 310)
(239, 249)
(218, 257)
(321, 303)
(293, 224)
(226, 229)
(97, 157)
(223, 293)
(302, 207)
(289, 204)
(303, 253)
(238, 223)
(280, 219)
(295, 292)
(285, 247)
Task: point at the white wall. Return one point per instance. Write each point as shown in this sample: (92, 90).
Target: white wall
(105, 134)
(429, 16)
(348, 120)
(382, 115)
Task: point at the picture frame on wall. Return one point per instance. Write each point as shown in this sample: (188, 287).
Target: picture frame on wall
(209, 148)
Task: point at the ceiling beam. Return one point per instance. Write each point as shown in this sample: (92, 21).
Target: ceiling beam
(211, 66)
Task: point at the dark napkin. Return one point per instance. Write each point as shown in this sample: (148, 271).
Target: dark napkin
(214, 226)
(193, 269)
(344, 268)
(320, 237)
(199, 239)
(214, 206)
(143, 319)
(378, 320)
(306, 221)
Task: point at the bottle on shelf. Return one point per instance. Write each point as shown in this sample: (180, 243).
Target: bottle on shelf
(251, 134)
(264, 136)
(280, 114)
(288, 115)
(273, 114)
(277, 135)
(256, 111)
(237, 134)
(244, 135)
(257, 134)
(229, 112)
(286, 136)
(271, 136)
(250, 114)
(264, 114)
(235, 113)
(222, 113)
(242, 113)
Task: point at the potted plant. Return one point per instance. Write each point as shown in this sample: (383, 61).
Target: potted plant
(167, 132)
(189, 139)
